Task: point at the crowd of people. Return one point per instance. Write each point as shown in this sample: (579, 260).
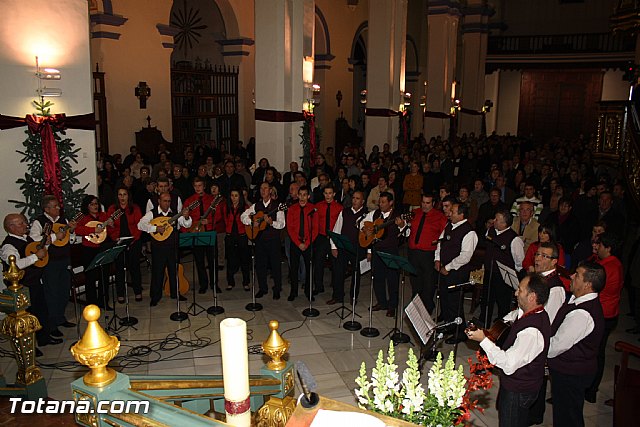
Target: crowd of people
(546, 212)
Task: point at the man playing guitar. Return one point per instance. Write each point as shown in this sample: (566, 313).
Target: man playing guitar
(267, 242)
(55, 275)
(164, 254)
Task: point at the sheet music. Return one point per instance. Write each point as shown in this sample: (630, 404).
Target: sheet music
(420, 319)
(509, 275)
(365, 265)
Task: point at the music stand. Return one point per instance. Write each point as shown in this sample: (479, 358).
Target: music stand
(253, 305)
(396, 262)
(343, 243)
(102, 259)
(191, 240)
(128, 321)
(370, 331)
(509, 275)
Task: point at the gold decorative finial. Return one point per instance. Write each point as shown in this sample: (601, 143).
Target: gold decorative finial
(95, 350)
(275, 347)
(14, 274)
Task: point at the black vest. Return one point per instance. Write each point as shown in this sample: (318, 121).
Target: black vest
(173, 237)
(32, 274)
(451, 244)
(582, 358)
(389, 241)
(351, 225)
(174, 201)
(494, 251)
(55, 252)
(269, 232)
(529, 377)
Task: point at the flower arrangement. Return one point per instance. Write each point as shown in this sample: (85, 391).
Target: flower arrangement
(447, 401)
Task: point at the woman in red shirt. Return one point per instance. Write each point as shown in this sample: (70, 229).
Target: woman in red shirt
(127, 226)
(236, 243)
(546, 233)
(91, 209)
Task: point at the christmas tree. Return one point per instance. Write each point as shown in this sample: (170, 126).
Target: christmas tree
(33, 185)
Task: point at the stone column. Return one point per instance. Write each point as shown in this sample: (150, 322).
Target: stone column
(443, 20)
(475, 33)
(385, 70)
(284, 37)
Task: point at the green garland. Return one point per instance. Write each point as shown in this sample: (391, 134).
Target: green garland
(306, 146)
(32, 185)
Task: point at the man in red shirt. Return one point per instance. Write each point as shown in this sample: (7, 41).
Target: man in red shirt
(302, 228)
(328, 211)
(604, 246)
(426, 227)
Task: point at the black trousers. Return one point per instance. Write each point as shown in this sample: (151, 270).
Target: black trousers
(39, 309)
(238, 256)
(340, 264)
(385, 279)
(424, 282)
(268, 258)
(97, 279)
(513, 407)
(321, 248)
(536, 412)
(500, 294)
(450, 305)
(609, 325)
(56, 279)
(294, 265)
(568, 398)
(199, 255)
(162, 256)
(132, 258)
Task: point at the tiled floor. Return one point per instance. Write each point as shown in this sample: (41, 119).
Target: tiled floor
(332, 353)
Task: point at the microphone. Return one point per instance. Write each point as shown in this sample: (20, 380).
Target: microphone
(460, 285)
(309, 398)
(312, 211)
(456, 321)
(497, 245)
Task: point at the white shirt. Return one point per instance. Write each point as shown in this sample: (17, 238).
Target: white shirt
(469, 242)
(557, 296)
(369, 217)
(528, 345)
(149, 206)
(35, 231)
(144, 225)
(7, 250)
(337, 228)
(517, 249)
(278, 223)
(574, 328)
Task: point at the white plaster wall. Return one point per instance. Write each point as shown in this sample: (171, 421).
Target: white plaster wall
(59, 35)
(614, 88)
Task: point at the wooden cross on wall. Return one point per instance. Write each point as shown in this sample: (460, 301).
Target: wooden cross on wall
(143, 92)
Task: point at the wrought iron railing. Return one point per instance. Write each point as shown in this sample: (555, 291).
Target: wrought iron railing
(561, 43)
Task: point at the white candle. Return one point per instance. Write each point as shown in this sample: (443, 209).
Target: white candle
(235, 371)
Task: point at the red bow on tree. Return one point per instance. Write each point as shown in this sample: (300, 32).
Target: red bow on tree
(311, 121)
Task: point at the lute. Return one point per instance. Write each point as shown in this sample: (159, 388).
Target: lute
(260, 218)
(167, 223)
(66, 228)
(34, 247)
(373, 230)
(98, 237)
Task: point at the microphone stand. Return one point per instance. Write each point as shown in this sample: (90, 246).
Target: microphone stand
(370, 331)
(353, 325)
(490, 284)
(253, 305)
(310, 311)
(215, 309)
(128, 321)
(179, 315)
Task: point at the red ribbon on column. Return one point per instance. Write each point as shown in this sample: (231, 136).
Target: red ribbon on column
(311, 122)
(50, 158)
(403, 123)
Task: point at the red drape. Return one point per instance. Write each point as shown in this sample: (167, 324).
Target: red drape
(311, 121)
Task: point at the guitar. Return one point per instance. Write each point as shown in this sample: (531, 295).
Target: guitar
(98, 237)
(253, 230)
(34, 247)
(167, 223)
(183, 283)
(65, 228)
(377, 228)
(497, 333)
(198, 226)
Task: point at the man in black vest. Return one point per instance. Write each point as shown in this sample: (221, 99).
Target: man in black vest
(384, 278)
(348, 225)
(15, 244)
(164, 186)
(267, 243)
(525, 351)
(573, 351)
(164, 254)
(546, 259)
(503, 246)
(456, 245)
(55, 276)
